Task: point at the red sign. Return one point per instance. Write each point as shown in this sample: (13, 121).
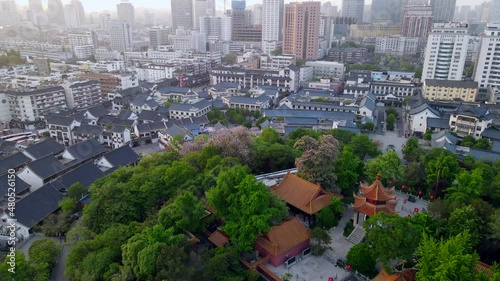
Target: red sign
(420, 192)
(390, 182)
(330, 279)
(348, 267)
(405, 201)
(403, 186)
(416, 210)
(432, 197)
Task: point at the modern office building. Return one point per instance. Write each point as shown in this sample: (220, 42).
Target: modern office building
(487, 72)
(301, 29)
(125, 11)
(216, 28)
(158, 36)
(417, 19)
(55, 11)
(9, 14)
(203, 8)
(387, 11)
(446, 51)
(443, 10)
(182, 14)
(71, 16)
(494, 11)
(121, 35)
(354, 9)
(272, 24)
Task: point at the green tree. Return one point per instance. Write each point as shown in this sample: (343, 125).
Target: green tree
(79, 233)
(77, 191)
(468, 141)
(44, 252)
(387, 165)
(248, 207)
(451, 259)
(23, 271)
(269, 136)
(174, 264)
(348, 168)
(391, 237)
(428, 135)
(466, 187)
(343, 136)
(321, 241)
(68, 206)
(391, 118)
(483, 144)
(368, 126)
(360, 259)
(317, 161)
(464, 219)
(229, 59)
(223, 265)
(183, 214)
(441, 171)
(412, 151)
(363, 146)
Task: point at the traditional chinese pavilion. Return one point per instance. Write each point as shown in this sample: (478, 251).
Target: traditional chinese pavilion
(372, 199)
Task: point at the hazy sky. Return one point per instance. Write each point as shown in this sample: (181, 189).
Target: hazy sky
(97, 5)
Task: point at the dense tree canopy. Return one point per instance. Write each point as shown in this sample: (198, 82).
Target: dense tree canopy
(451, 259)
(317, 161)
(360, 258)
(387, 165)
(391, 237)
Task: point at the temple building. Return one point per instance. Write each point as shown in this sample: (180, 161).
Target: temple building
(372, 199)
(303, 197)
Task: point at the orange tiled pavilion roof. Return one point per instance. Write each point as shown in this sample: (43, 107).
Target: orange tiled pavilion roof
(375, 198)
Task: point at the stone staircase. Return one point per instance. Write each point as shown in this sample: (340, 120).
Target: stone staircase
(357, 235)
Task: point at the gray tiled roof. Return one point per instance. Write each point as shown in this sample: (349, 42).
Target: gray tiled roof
(46, 167)
(98, 111)
(491, 133)
(12, 162)
(423, 107)
(85, 174)
(451, 83)
(85, 129)
(122, 156)
(86, 150)
(21, 186)
(38, 205)
(188, 107)
(59, 120)
(440, 123)
(48, 146)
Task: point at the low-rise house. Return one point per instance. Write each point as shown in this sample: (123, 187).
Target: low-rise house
(183, 110)
(120, 157)
(148, 116)
(176, 94)
(116, 136)
(368, 105)
(470, 120)
(41, 171)
(248, 103)
(149, 131)
(490, 133)
(22, 188)
(35, 207)
(172, 131)
(224, 89)
(143, 102)
(83, 152)
(60, 128)
(95, 112)
(419, 116)
(85, 132)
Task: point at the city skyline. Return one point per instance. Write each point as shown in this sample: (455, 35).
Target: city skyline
(97, 5)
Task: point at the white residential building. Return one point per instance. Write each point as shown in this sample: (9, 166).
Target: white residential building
(60, 129)
(276, 62)
(104, 21)
(470, 120)
(190, 40)
(84, 51)
(121, 35)
(72, 16)
(216, 28)
(29, 106)
(158, 36)
(487, 72)
(327, 69)
(83, 94)
(446, 51)
(181, 110)
(418, 118)
(153, 72)
(397, 45)
(494, 11)
(83, 39)
(272, 24)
